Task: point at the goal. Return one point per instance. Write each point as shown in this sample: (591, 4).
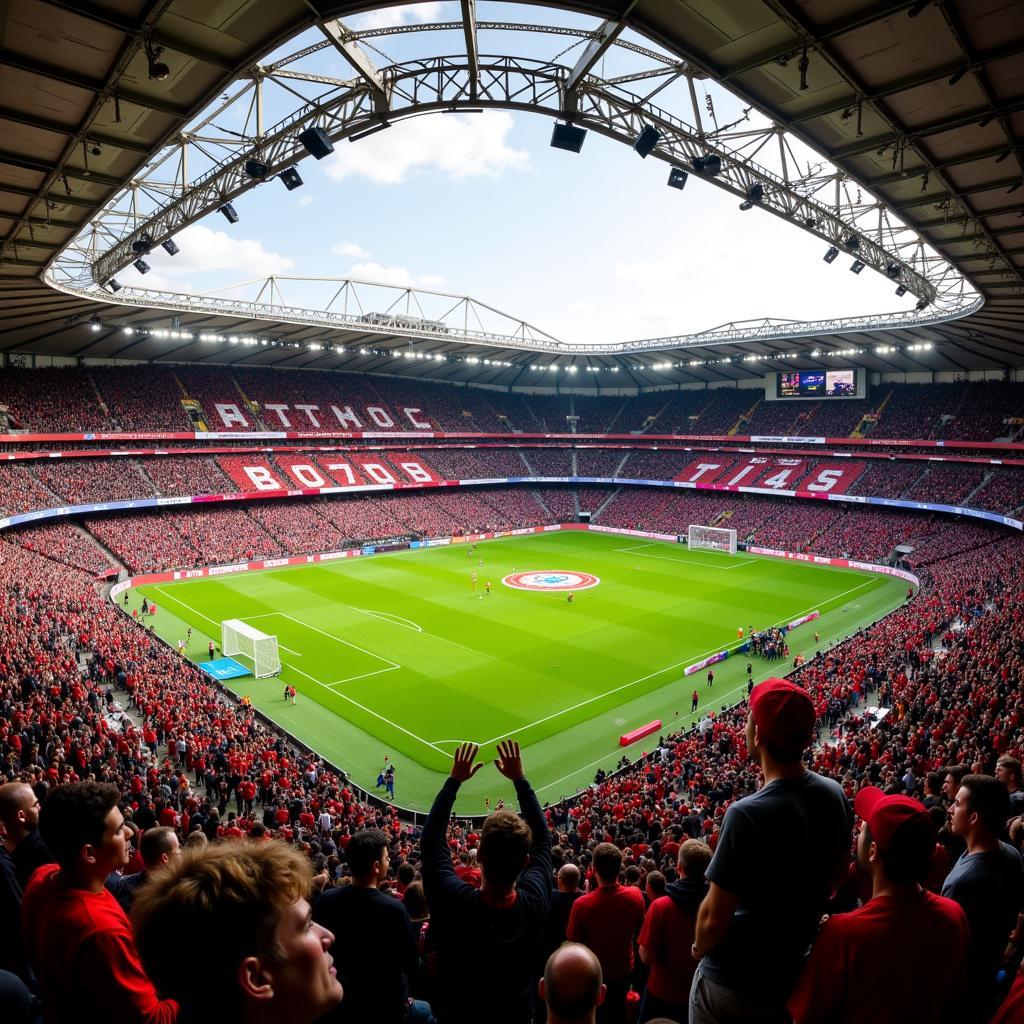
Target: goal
(714, 538)
(239, 638)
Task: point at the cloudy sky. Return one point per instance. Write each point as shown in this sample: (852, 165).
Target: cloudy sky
(589, 248)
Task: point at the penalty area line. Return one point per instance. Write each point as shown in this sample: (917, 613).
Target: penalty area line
(668, 668)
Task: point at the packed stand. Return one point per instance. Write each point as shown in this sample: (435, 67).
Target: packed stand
(85, 481)
(54, 400)
(916, 410)
(66, 543)
(985, 410)
(20, 491)
(142, 398)
(947, 483)
(1004, 492)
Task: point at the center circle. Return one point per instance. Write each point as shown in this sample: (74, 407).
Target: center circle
(551, 579)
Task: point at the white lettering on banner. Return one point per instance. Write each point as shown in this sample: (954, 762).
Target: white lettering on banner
(193, 573)
(377, 472)
(745, 471)
(308, 410)
(307, 476)
(825, 480)
(419, 424)
(415, 471)
(346, 417)
(345, 469)
(262, 478)
(273, 563)
(379, 416)
(223, 570)
(280, 408)
(702, 468)
(778, 480)
(230, 414)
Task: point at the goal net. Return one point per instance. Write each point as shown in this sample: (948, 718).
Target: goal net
(713, 538)
(261, 649)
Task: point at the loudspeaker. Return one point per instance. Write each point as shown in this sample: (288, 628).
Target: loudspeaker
(290, 178)
(316, 142)
(646, 140)
(568, 137)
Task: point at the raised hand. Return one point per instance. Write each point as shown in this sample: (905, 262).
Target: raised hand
(463, 767)
(509, 761)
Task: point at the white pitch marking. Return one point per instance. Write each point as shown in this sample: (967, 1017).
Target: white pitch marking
(347, 643)
(634, 550)
(668, 668)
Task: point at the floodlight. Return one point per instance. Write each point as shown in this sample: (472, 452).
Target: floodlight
(113, 285)
(142, 245)
(158, 70)
(754, 195)
(857, 266)
(831, 254)
(921, 304)
(142, 266)
(709, 165)
(255, 168)
(568, 137)
(893, 271)
(290, 178)
(229, 212)
(316, 142)
(646, 140)
(677, 178)
(852, 242)
(901, 291)
(170, 247)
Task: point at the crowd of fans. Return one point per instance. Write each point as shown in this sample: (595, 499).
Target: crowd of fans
(642, 871)
(144, 398)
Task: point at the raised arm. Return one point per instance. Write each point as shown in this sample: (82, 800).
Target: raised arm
(438, 872)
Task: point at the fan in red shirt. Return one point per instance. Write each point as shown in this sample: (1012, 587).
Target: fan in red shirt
(80, 943)
(668, 934)
(868, 964)
(608, 920)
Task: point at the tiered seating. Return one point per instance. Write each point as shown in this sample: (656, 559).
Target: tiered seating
(54, 400)
(142, 397)
(79, 481)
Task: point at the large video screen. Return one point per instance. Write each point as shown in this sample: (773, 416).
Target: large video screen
(817, 384)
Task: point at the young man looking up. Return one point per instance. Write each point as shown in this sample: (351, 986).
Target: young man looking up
(80, 943)
(240, 911)
(868, 965)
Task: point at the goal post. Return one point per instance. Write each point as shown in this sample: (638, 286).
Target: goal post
(238, 637)
(711, 538)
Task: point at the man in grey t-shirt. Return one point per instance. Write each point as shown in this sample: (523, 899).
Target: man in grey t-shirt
(780, 853)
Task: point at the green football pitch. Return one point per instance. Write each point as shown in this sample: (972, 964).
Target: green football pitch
(396, 654)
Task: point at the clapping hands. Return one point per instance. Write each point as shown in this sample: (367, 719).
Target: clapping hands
(509, 761)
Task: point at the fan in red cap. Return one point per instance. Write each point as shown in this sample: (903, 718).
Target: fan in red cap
(780, 852)
(869, 964)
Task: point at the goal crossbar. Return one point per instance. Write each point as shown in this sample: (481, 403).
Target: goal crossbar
(239, 637)
(711, 538)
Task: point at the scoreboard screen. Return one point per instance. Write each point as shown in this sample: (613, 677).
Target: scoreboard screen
(817, 384)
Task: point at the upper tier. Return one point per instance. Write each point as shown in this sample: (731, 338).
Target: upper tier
(181, 398)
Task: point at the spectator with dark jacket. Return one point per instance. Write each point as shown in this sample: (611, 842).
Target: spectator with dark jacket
(567, 892)
(19, 813)
(158, 847)
(988, 882)
(486, 938)
(374, 944)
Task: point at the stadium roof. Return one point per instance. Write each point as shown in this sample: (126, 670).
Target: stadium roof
(922, 103)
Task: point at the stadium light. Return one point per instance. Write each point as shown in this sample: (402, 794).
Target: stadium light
(158, 70)
(852, 242)
(255, 169)
(290, 178)
(568, 137)
(901, 291)
(141, 266)
(892, 271)
(857, 266)
(754, 195)
(316, 142)
(170, 247)
(229, 212)
(113, 285)
(831, 254)
(677, 178)
(142, 246)
(646, 141)
(708, 166)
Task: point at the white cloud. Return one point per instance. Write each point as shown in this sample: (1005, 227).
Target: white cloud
(391, 16)
(460, 145)
(205, 251)
(350, 249)
(400, 277)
